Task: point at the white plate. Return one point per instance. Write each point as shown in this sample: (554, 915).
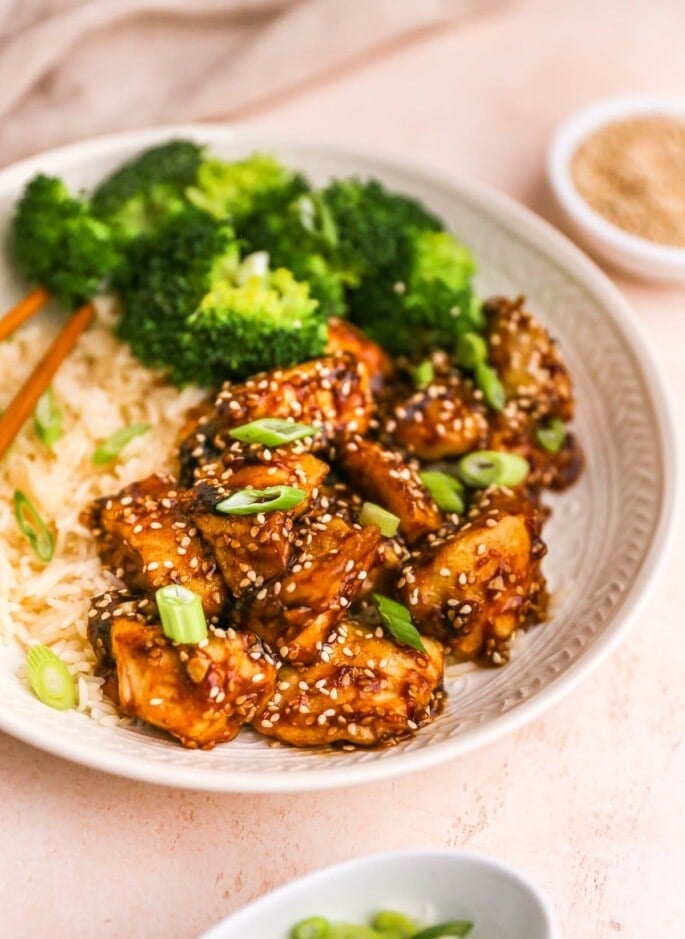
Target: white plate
(605, 536)
(432, 886)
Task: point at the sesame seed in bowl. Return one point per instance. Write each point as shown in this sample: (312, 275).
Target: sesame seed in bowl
(617, 169)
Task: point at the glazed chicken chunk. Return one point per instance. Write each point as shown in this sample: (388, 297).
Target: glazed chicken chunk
(363, 689)
(443, 420)
(474, 588)
(344, 336)
(296, 614)
(332, 394)
(251, 549)
(147, 540)
(527, 360)
(385, 477)
(201, 694)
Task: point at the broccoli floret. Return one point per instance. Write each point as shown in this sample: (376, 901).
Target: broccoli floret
(257, 185)
(147, 190)
(421, 300)
(303, 238)
(193, 306)
(56, 242)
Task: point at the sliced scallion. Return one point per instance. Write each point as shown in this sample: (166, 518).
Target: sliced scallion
(314, 927)
(460, 927)
(372, 514)
(252, 501)
(181, 613)
(489, 383)
(447, 492)
(423, 374)
(551, 435)
(483, 468)
(397, 620)
(47, 419)
(33, 526)
(110, 449)
(471, 349)
(49, 678)
(272, 431)
(391, 922)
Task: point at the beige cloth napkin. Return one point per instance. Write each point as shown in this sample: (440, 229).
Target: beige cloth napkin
(72, 68)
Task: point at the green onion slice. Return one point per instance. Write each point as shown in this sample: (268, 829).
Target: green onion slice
(47, 419)
(111, 448)
(551, 435)
(447, 492)
(460, 927)
(317, 219)
(397, 620)
(484, 468)
(471, 349)
(372, 514)
(252, 501)
(314, 927)
(488, 381)
(394, 924)
(183, 619)
(272, 431)
(33, 526)
(49, 678)
(423, 374)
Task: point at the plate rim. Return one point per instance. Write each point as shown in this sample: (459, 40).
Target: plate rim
(556, 247)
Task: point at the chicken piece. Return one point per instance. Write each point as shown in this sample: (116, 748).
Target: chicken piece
(527, 360)
(474, 588)
(149, 542)
(251, 549)
(343, 336)
(385, 477)
(202, 694)
(332, 393)
(364, 689)
(443, 420)
(514, 432)
(299, 612)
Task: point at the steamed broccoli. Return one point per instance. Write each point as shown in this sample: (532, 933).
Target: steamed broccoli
(162, 182)
(193, 306)
(148, 189)
(256, 185)
(56, 242)
(303, 237)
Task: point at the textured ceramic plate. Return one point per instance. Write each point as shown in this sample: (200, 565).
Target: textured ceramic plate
(605, 535)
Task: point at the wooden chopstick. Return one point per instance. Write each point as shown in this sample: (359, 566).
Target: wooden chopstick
(23, 311)
(25, 400)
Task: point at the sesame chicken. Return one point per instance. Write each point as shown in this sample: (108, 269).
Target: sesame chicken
(527, 360)
(344, 336)
(384, 476)
(147, 540)
(297, 614)
(332, 394)
(201, 694)
(475, 587)
(443, 420)
(291, 587)
(365, 690)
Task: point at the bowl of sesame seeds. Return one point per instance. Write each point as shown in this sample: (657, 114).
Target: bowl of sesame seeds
(617, 170)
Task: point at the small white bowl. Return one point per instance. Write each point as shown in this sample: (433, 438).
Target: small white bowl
(433, 886)
(638, 256)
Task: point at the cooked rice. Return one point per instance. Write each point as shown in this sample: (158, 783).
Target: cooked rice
(100, 388)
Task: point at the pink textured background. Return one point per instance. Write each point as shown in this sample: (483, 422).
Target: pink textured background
(589, 800)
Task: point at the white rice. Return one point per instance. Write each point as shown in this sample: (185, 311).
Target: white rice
(100, 388)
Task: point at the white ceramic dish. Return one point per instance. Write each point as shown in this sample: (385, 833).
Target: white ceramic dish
(605, 537)
(638, 256)
(433, 886)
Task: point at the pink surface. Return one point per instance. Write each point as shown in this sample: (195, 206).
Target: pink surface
(590, 800)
